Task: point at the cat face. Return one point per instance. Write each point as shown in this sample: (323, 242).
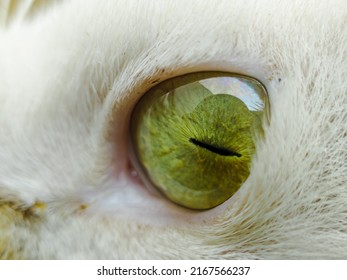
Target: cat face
(69, 80)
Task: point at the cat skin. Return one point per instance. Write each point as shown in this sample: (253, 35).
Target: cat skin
(70, 75)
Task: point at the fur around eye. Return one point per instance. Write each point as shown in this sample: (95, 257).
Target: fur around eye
(71, 73)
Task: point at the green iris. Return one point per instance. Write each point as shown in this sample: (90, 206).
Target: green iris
(194, 136)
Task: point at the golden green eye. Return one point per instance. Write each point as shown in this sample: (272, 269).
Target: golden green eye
(193, 136)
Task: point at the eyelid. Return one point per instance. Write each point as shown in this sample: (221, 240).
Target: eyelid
(150, 204)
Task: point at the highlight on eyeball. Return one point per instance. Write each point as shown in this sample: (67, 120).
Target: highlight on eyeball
(193, 137)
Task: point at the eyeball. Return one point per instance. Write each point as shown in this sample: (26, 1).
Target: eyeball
(193, 136)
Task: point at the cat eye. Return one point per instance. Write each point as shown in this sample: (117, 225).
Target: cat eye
(193, 136)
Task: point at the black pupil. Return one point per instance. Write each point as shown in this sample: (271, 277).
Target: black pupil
(214, 149)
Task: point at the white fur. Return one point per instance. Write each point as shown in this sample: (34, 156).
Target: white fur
(69, 78)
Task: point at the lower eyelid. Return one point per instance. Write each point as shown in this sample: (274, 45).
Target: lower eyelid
(126, 198)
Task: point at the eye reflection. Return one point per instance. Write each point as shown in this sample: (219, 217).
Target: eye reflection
(249, 91)
(193, 136)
